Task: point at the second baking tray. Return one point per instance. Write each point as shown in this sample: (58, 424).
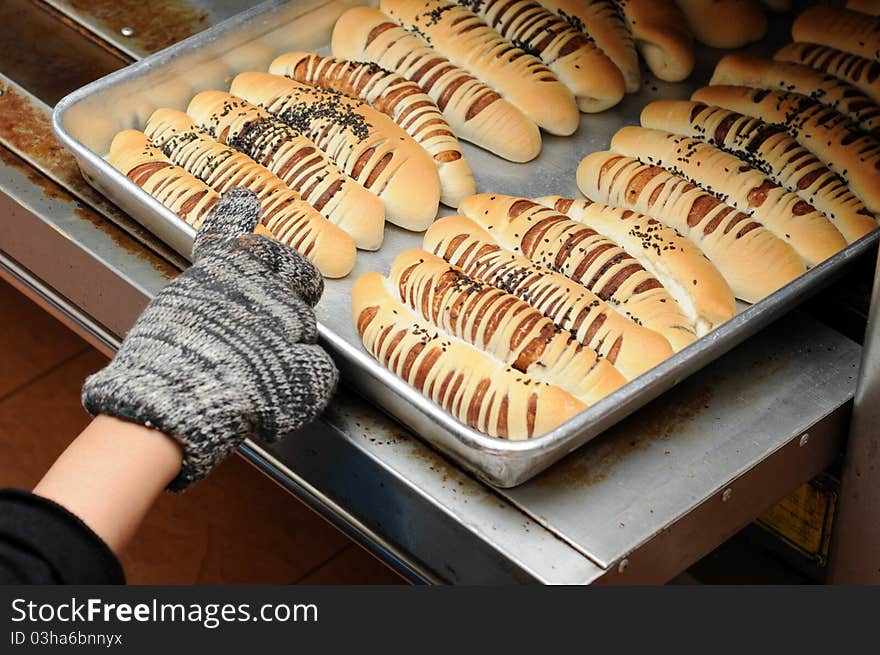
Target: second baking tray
(87, 120)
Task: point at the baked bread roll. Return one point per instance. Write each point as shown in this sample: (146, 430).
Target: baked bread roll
(365, 143)
(291, 220)
(845, 149)
(399, 99)
(479, 390)
(870, 7)
(697, 286)
(132, 154)
(556, 242)
(770, 149)
(600, 20)
(475, 111)
(850, 31)
(595, 81)
(467, 41)
(661, 35)
(735, 182)
(631, 348)
(725, 23)
(741, 70)
(295, 160)
(752, 259)
(862, 73)
(500, 325)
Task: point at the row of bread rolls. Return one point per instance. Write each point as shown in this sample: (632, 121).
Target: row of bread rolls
(519, 313)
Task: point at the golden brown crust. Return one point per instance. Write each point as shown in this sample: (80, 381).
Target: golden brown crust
(365, 143)
(849, 31)
(295, 160)
(752, 259)
(595, 81)
(846, 150)
(862, 73)
(725, 23)
(479, 390)
(770, 149)
(500, 325)
(553, 240)
(808, 231)
(697, 286)
(402, 101)
(285, 214)
(134, 156)
(870, 7)
(464, 39)
(475, 111)
(661, 35)
(631, 348)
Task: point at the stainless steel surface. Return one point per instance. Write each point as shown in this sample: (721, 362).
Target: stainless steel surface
(855, 546)
(251, 40)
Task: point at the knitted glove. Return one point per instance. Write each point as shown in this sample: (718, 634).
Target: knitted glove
(227, 350)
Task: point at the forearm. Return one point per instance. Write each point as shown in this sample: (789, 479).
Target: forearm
(110, 475)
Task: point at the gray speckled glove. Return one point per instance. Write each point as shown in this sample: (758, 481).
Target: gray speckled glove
(227, 350)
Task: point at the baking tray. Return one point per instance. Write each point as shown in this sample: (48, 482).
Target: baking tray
(87, 119)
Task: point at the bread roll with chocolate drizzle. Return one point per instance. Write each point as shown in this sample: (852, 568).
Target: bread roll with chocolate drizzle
(631, 348)
(809, 232)
(295, 160)
(500, 325)
(365, 143)
(661, 35)
(475, 111)
(479, 390)
(553, 240)
(697, 286)
(725, 23)
(845, 149)
(291, 220)
(741, 70)
(753, 260)
(595, 81)
(862, 73)
(399, 99)
(464, 39)
(134, 156)
(600, 20)
(771, 150)
(850, 31)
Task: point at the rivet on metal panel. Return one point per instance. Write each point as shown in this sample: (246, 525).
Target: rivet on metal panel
(726, 494)
(621, 567)
(127, 31)
(805, 438)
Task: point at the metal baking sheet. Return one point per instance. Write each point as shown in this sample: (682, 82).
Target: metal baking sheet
(87, 119)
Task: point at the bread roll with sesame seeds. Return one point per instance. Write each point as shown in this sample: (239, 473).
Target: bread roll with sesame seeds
(600, 20)
(479, 390)
(753, 260)
(399, 99)
(770, 149)
(464, 39)
(759, 73)
(500, 325)
(365, 143)
(846, 30)
(697, 286)
(597, 84)
(553, 240)
(476, 112)
(725, 23)
(862, 73)
(132, 154)
(630, 347)
(808, 231)
(661, 35)
(845, 149)
(291, 220)
(295, 160)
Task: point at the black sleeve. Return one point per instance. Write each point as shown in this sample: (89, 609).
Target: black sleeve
(43, 543)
